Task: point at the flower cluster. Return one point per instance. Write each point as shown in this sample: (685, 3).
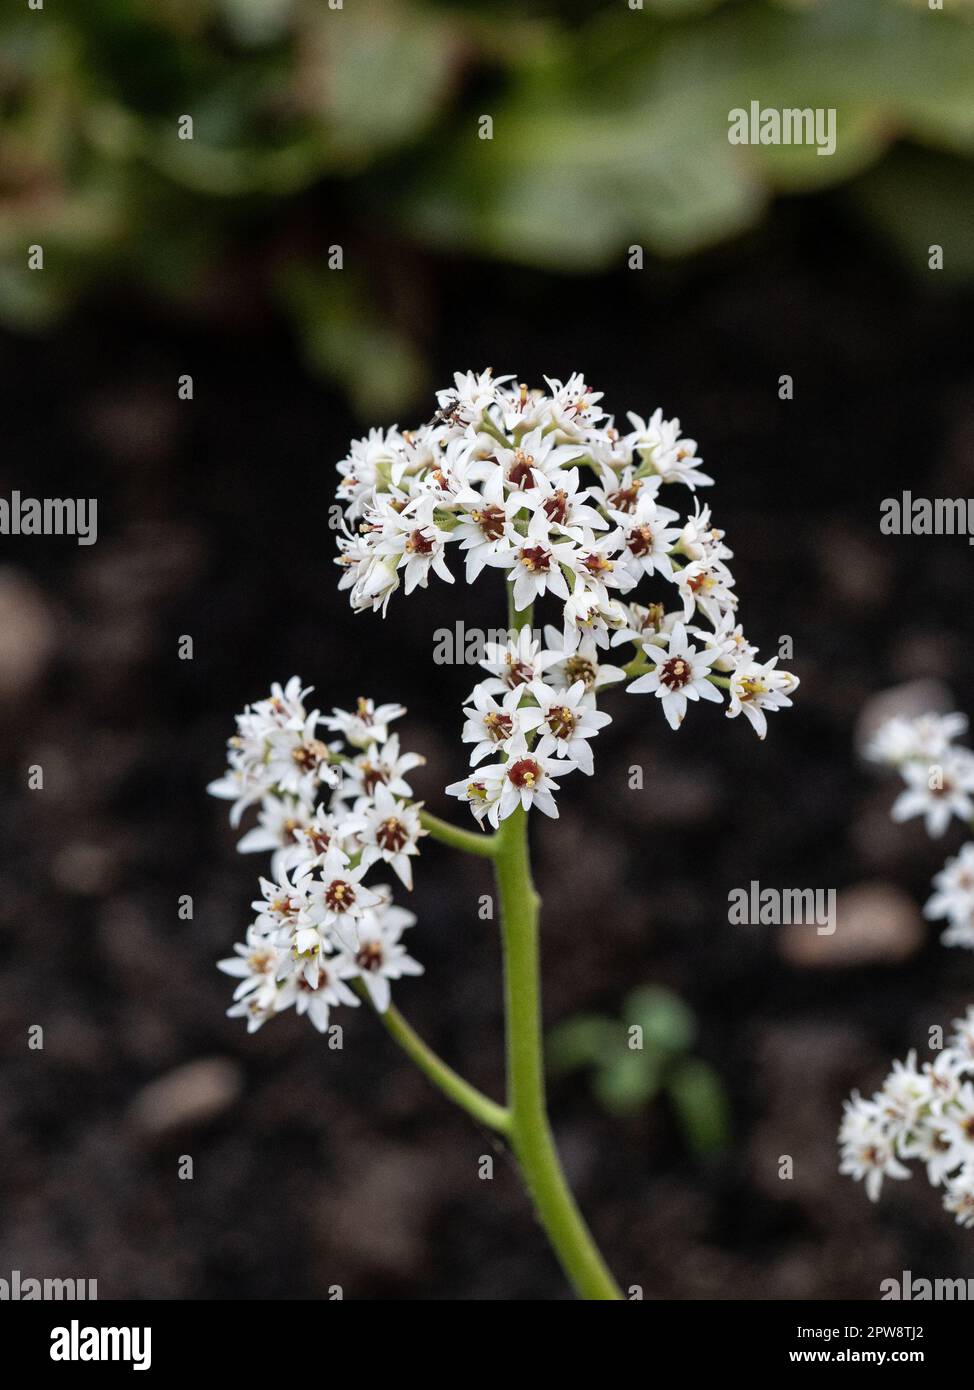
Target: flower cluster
(328, 813)
(542, 486)
(939, 777)
(924, 1113)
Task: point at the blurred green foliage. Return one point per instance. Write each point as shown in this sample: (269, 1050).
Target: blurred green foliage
(643, 1055)
(358, 126)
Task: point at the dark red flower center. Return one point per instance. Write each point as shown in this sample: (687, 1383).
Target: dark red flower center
(675, 673)
(369, 956)
(339, 895)
(524, 773)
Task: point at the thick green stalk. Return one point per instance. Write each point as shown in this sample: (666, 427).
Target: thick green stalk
(529, 1131)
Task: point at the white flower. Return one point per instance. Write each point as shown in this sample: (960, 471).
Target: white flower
(959, 1197)
(937, 792)
(256, 1009)
(324, 831)
(366, 724)
(255, 963)
(240, 786)
(413, 538)
(925, 1114)
(659, 445)
(477, 792)
(962, 1040)
(644, 622)
(905, 1094)
(470, 395)
(485, 526)
(266, 732)
(590, 610)
(573, 656)
(925, 738)
(380, 765)
(277, 820)
(296, 759)
(339, 901)
(369, 462)
(323, 988)
(954, 897)
(574, 405)
(956, 1124)
(535, 456)
(285, 903)
(380, 956)
(681, 674)
(619, 492)
(391, 832)
(648, 536)
(565, 508)
(755, 686)
(734, 649)
(866, 1151)
(284, 709)
(372, 578)
(936, 1147)
(599, 563)
(525, 779)
(491, 724)
(569, 722)
(535, 564)
(944, 1077)
(959, 933)
(708, 585)
(517, 662)
(700, 539)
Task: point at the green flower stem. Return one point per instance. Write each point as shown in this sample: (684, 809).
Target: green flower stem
(484, 1110)
(488, 426)
(530, 1132)
(470, 841)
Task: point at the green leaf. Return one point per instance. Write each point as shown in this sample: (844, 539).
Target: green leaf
(701, 1106)
(667, 1022)
(627, 1082)
(343, 337)
(583, 1040)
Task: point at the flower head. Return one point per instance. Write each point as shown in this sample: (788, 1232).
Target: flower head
(680, 673)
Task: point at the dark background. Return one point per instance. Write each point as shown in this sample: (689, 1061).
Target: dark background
(315, 1168)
